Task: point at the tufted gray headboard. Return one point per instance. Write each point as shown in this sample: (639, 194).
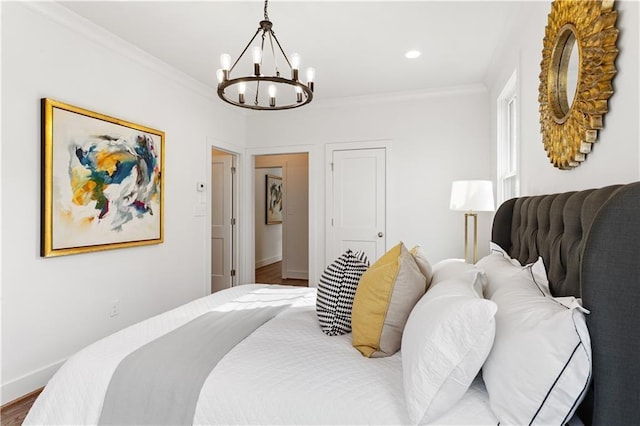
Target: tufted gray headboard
(590, 243)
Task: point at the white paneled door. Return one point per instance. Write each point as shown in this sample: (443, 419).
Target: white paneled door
(221, 221)
(358, 202)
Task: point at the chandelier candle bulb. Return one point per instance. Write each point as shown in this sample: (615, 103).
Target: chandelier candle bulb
(220, 75)
(257, 58)
(272, 95)
(295, 61)
(295, 66)
(242, 89)
(257, 54)
(298, 94)
(311, 75)
(225, 62)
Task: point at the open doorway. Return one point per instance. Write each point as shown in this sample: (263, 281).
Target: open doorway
(223, 222)
(282, 224)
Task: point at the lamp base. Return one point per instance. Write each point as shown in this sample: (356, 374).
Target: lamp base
(467, 215)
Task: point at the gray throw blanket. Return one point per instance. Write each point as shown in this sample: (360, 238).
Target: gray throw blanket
(160, 383)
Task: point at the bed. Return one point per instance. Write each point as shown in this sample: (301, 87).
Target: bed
(285, 370)
(590, 241)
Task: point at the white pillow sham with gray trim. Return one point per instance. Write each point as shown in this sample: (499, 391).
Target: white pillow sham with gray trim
(539, 368)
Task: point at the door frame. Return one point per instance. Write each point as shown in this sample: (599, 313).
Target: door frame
(227, 187)
(328, 197)
(284, 216)
(237, 231)
(248, 199)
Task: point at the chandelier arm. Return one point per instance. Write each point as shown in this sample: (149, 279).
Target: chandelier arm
(255, 102)
(273, 52)
(281, 50)
(264, 33)
(244, 51)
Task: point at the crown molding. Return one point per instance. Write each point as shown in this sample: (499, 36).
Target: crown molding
(95, 33)
(414, 95)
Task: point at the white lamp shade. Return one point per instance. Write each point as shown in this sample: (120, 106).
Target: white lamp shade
(472, 195)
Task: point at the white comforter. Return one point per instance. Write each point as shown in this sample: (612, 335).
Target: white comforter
(286, 372)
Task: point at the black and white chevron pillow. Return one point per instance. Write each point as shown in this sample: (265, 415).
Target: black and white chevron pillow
(336, 290)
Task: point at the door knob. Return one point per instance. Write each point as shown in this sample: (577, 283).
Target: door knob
(380, 235)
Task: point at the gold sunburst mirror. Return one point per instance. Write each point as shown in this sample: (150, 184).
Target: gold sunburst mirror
(578, 55)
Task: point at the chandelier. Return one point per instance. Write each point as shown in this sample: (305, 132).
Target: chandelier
(281, 92)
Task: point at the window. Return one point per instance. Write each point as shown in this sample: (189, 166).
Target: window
(508, 182)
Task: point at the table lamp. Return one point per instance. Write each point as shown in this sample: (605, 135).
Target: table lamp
(471, 196)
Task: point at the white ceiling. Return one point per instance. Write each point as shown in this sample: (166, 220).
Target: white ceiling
(357, 47)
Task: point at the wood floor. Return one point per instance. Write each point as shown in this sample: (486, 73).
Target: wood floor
(13, 413)
(272, 274)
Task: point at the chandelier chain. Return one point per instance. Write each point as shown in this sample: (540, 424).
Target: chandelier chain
(266, 15)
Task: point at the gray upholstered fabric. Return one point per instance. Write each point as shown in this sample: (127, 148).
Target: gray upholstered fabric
(551, 226)
(611, 290)
(590, 243)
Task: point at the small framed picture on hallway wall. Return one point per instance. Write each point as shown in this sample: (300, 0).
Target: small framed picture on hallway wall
(274, 200)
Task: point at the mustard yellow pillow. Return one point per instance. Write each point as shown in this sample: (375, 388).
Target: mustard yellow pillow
(384, 299)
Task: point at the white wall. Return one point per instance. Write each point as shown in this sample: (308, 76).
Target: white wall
(53, 307)
(615, 158)
(435, 138)
(268, 237)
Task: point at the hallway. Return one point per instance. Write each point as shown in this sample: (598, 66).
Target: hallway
(272, 274)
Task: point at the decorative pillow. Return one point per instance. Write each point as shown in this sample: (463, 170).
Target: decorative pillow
(456, 268)
(422, 262)
(540, 366)
(537, 269)
(336, 290)
(495, 248)
(385, 296)
(445, 342)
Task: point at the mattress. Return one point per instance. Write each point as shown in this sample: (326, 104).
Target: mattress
(285, 372)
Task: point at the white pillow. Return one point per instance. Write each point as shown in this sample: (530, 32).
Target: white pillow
(539, 368)
(445, 341)
(457, 268)
(496, 248)
(537, 270)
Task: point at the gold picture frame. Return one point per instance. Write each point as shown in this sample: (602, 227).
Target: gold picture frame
(570, 118)
(102, 182)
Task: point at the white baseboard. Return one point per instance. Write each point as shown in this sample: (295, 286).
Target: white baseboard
(297, 275)
(21, 386)
(268, 261)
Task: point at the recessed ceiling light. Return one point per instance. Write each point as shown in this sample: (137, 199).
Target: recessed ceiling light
(412, 54)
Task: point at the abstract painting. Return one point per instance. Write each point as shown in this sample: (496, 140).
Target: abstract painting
(274, 199)
(102, 182)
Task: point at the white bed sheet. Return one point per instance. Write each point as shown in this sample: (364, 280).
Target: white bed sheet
(286, 372)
